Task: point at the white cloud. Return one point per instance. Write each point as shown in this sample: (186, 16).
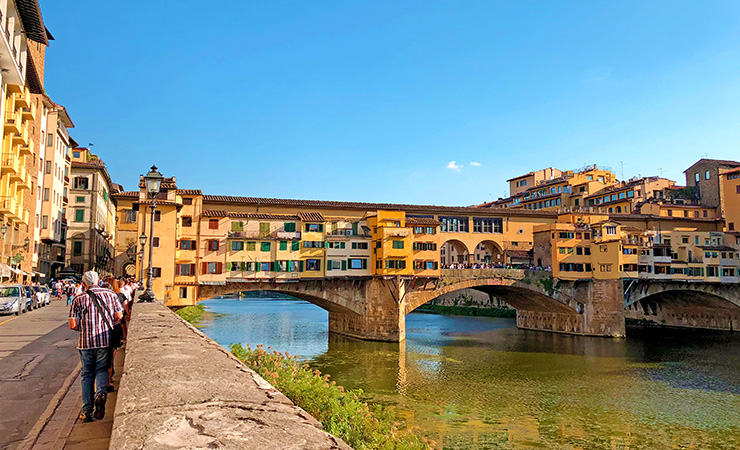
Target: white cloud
(452, 165)
(475, 164)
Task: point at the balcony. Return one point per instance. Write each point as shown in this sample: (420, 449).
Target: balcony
(28, 113)
(10, 164)
(9, 206)
(26, 149)
(252, 235)
(25, 179)
(288, 235)
(20, 173)
(12, 122)
(23, 100)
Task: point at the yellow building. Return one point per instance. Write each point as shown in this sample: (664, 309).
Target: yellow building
(730, 195)
(678, 210)
(624, 197)
(392, 243)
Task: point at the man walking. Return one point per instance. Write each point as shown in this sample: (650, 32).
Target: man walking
(93, 313)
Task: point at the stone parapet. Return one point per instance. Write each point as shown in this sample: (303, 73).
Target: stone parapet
(180, 389)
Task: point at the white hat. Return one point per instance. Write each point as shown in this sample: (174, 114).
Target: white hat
(90, 278)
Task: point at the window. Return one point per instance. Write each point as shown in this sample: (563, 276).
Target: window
(77, 248)
(334, 265)
(47, 167)
(251, 246)
(397, 244)
(603, 248)
(295, 245)
(186, 270)
(696, 177)
(706, 175)
(454, 224)
(50, 141)
(46, 194)
(155, 242)
(187, 221)
(313, 265)
(183, 291)
(605, 267)
(486, 225)
(212, 268)
(566, 235)
(523, 183)
(685, 239)
(187, 245)
(129, 216)
(611, 230)
(156, 272)
(237, 246)
(359, 246)
(265, 246)
(157, 215)
(213, 245)
(314, 228)
(395, 264)
(79, 215)
(80, 199)
(79, 182)
(45, 222)
(283, 245)
(213, 224)
(705, 213)
(187, 201)
(289, 227)
(357, 264)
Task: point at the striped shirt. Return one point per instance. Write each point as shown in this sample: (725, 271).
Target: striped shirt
(93, 330)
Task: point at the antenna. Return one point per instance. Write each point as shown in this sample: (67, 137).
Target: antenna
(661, 172)
(621, 167)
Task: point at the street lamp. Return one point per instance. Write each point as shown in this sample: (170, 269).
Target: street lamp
(153, 182)
(142, 243)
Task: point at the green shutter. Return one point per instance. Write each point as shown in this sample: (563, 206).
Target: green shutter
(364, 263)
(283, 245)
(354, 228)
(328, 265)
(296, 245)
(344, 264)
(300, 266)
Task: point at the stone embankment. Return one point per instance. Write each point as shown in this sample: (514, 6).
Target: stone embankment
(180, 389)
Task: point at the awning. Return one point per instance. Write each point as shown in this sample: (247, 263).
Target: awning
(4, 270)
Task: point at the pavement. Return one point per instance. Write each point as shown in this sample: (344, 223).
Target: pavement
(40, 386)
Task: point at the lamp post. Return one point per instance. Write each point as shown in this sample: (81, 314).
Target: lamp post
(153, 184)
(3, 230)
(142, 243)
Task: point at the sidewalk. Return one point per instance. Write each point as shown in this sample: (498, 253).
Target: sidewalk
(64, 431)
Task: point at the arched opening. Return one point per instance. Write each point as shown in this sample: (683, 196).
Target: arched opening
(454, 252)
(684, 309)
(488, 253)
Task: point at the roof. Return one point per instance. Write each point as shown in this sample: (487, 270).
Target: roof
(423, 221)
(159, 203)
(168, 183)
(722, 248)
(730, 171)
(521, 176)
(215, 213)
(33, 23)
(311, 217)
(260, 216)
(189, 192)
(724, 162)
(132, 194)
(95, 165)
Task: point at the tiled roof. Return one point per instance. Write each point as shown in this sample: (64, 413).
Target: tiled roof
(521, 176)
(127, 194)
(215, 213)
(723, 162)
(422, 221)
(159, 203)
(311, 217)
(371, 206)
(731, 171)
(189, 192)
(167, 183)
(265, 216)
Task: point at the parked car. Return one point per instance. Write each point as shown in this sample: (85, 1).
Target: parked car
(46, 293)
(13, 299)
(31, 300)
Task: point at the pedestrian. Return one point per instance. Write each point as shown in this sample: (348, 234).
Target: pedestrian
(92, 314)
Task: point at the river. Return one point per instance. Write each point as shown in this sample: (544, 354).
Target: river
(481, 383)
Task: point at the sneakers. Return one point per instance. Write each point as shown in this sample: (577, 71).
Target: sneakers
(99, 405)
(86, 416)
(111, 388)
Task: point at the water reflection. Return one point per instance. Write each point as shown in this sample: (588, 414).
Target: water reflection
(471, 382)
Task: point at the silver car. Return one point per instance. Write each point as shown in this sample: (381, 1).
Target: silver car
(12, 299)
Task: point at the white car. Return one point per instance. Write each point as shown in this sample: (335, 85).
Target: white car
(43, 296)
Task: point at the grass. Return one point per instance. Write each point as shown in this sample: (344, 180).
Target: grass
(341, 412)
(192, 314)
(468, 311)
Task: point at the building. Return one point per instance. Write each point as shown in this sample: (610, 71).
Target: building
(92, 211)
(53, 184)
(703, 177)
(523, 182)
(730, 195)
(624, 197)
(20, 25)
(598, 247)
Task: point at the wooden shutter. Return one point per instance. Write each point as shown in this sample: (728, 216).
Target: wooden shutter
(300, 266)
(204, 268)
(354, 228)
(364, 263)
(177, 269)
(328, 265)
(344, 264)
(219, 267)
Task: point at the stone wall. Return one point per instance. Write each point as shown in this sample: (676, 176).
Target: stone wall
(180, 389)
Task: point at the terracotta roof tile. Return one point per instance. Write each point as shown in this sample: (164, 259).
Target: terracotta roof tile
(422, 221)
(311, 217)
(265, 216)
(189, 192)
(215, 213)
(127, 194)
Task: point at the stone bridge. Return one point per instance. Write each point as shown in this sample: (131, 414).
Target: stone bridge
(375, 308)
(683, 304)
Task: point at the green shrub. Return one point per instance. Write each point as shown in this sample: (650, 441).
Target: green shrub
(192, 314)
(341, 412)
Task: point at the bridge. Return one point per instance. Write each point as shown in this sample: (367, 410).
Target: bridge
(375, 308)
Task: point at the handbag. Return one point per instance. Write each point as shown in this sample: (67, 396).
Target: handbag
(116, 331)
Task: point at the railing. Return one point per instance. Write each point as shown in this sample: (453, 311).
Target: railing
(347, 233)
(288, 234)
(252, 235)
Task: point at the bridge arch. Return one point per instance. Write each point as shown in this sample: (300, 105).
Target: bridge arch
(322, 293)
(488, 251)
(454, 251)
(685, 305)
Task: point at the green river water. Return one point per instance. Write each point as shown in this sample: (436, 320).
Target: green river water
(480, 383)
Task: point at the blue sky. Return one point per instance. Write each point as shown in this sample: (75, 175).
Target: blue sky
(372, 101)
